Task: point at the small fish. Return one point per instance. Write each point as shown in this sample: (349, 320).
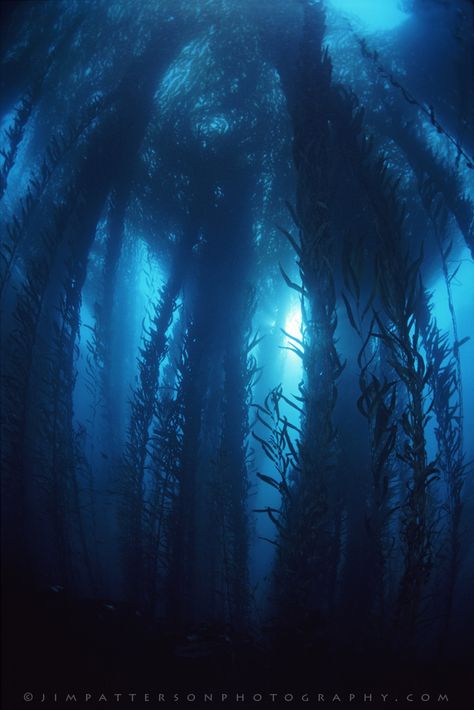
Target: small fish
(57, 588)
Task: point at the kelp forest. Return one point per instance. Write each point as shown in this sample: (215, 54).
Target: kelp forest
(236, 281)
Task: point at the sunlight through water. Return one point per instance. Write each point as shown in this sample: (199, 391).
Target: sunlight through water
(293, 321)
(372, 15)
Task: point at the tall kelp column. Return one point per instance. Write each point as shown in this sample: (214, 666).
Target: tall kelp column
(165, 494)
(408, 374)
(310, 544)
(49, 296)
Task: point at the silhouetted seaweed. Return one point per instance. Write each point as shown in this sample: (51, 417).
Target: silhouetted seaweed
(447, 409)
(22, 339)
(142, 411)
(428, 111)
(437, 180)
(59, 146)
(399, 295)
(280, 447)
(15, 133)
(448, 404)
(23, 111)
(230, 482)
(315, 518)
(59, 452)
(160, 499)
(377, 404)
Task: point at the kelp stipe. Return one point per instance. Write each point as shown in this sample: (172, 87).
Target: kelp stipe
(143, 410)
(160, 502)
(23, 340)
(399, 293)
(60, 456)
(230, 486)
(308, 101)
(56, 152)
(447, 411)
(15, 133)
(377, 404)
(280, 447)
(433, 176)
(428, 110)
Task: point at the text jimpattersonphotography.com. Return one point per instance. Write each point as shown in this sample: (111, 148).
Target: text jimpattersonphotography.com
(242, 698)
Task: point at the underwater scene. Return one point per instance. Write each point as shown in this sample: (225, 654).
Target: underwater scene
(237, 353)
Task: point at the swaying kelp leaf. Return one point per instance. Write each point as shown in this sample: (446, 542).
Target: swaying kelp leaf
(268, 479)
(263, 422)
(350, 315)
(265, 409)
(290, 403)
(291, 283)
(293, 214)
(291, 447)
(267, 448)
(275, 543)
(291, 239)
(256, 340)
(459, 344)
(292, 337)
(293, 349)
(454, 274)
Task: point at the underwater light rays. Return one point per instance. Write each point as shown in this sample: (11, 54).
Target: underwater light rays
(372, 15)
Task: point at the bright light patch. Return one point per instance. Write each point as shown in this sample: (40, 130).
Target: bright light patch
(292, 373)
(372, 15)
(463, 296)
(293, 321)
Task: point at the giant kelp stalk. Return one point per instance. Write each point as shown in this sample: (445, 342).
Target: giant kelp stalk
(119, 197)
(61, 461)
(279, 441)
(427, 110)
(377, 404)
(16, 132)
(213, 393)
(95, 362)
(231, 480)
(447, 387)
(107, 156)
(433, 175)
(396, 325)
(400, 293)
(84, 200)
(105, 310)
(163, 474)
(316, 551)
(181, 581)
(130, 107)
(450, 461)
(443, 177)
(56, 151)
(143, 409)
(17, 382)
(436, 206)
